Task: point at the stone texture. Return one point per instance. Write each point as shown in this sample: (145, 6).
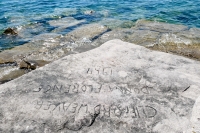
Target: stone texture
(165, 37)
(74, 36)
(118, 87)
(51, 46)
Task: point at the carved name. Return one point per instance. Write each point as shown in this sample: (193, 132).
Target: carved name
(114, 110)
(97, 88)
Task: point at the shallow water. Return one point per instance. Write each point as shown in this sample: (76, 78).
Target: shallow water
(50, 29)
(35, 17)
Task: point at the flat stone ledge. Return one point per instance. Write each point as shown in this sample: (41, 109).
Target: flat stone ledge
(118, 87)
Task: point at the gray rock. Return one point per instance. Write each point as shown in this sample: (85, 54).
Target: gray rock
(116, 88)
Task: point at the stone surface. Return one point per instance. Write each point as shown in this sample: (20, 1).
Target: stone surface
(74, 36)
(117, 88)
(51, 46)
(165, 37)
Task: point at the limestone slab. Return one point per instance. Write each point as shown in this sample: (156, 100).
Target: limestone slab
(118, 87)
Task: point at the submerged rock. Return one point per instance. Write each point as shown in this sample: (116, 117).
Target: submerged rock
(48, 47)
(10, 31)
(80, 36)
(165, 37)
(118, 87)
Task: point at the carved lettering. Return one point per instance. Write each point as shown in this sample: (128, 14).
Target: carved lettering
(56, 88)
(100, 71)
(104, 110)
(97, 109)
(98, 89)
(134, 112)
(107, 71)
(89, 71)
(151, 111)
(145, 90)
(39, 89)
(73, 107)
(48, 105)
(75, 87)
(66, 90)
(83, 107)
(84, 88)
(66, 106)
(49, 88)
(117, 111)
(38, 104)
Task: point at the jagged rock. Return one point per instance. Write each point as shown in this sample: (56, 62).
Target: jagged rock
(10, 31)
(165, 37)
(118, 87)
(32, 64)
(50, 46)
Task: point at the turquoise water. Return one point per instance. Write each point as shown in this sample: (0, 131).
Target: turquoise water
(33, 16)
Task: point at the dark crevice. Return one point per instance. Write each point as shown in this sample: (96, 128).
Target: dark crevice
(186, 88)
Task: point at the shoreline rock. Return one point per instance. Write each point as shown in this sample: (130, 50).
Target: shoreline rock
(169, 38)
(9, 31)
(118, 87)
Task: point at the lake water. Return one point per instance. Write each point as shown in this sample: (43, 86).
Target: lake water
(33, 16)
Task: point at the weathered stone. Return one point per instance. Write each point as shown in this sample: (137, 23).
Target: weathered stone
(159, 36)
(118, 87)
(10, 73)
(81, 37)
(32, 64)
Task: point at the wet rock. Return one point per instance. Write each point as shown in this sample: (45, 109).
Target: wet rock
(12, 74)
(28, 65)
(159, 26)
(115, 23)
(32, 64)
(118, 87)
(83, 36)
(65, 24)
(177, 39)
(10, 31)
(89, 12)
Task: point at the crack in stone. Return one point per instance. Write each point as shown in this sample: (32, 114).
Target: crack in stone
(78, 125)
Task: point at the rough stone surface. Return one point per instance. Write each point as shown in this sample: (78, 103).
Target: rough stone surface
(117, 88)
(172, 38)
(51, 46)
(74, 36)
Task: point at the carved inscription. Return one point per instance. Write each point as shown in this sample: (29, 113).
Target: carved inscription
(69, 88)
(100, 71)
(96, 88)
(114, 110)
